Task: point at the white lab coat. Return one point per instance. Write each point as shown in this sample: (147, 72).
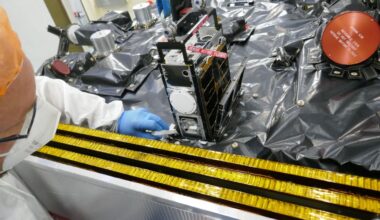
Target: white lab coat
(16, 201)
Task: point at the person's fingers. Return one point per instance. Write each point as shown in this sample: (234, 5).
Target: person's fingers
(142, 110)
(161, 122)
(147, 135)
(148, 125)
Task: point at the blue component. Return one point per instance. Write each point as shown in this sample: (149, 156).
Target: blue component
(164, 5)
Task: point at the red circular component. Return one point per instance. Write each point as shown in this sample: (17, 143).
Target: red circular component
(351, 38)
(60, 67)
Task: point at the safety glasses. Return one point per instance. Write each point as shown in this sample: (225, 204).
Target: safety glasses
(21, 136)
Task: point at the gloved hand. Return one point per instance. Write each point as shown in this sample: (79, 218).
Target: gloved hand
(137, 122)
(163, 5)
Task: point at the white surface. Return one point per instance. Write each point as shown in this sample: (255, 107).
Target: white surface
(76, 11)
(183, 102)
(95, 12)
(141, 6)
(71, 33)
(67, 5)
(30, 19)
(46, 174)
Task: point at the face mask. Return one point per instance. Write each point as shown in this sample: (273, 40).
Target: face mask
(42, 131)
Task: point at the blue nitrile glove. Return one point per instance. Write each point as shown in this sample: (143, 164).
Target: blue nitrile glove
(165, 6)
(138, 122)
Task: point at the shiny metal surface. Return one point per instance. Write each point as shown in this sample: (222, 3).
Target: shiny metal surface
(76, 193)
(103, 42)
(351, 38)
(143, 13)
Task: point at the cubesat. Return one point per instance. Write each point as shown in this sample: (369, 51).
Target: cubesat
(199, 85)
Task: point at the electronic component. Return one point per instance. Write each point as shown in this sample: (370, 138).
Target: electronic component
(103, 42)
(285, 56)
(233, 27)
(199, 4)
(350, 43)
(108, 71)
(64, 64)
(71, 65)
(311, 5)
(196, 75)
(143, 15)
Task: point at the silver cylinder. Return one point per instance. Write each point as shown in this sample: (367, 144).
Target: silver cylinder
(143, 13)
(103, 42)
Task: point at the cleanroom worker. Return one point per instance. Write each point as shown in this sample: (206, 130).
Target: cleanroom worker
(30, 110)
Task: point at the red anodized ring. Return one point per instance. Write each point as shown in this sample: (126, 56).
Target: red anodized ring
(60, 67)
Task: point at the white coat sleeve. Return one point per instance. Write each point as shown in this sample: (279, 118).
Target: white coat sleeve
(17, 202)
(78, 107)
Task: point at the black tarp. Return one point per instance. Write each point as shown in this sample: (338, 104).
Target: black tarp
(294, 114)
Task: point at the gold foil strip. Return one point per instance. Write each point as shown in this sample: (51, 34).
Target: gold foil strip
(310, 173)
(258, 202)
(324, 195)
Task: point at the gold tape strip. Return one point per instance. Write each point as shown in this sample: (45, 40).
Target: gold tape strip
(311, 173)
(338, 198)
(238, 197)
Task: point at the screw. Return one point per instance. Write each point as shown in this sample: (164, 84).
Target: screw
(255, 95)
(177, 142)
(300, 103)
(235, 145)
(336, 72)
(132, 85)
(354, 74)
